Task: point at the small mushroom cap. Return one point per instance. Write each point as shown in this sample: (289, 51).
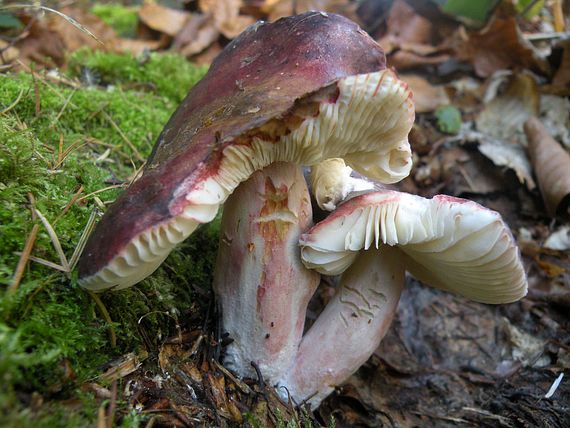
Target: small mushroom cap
(450, 243)
(302, 89)
(332, 181)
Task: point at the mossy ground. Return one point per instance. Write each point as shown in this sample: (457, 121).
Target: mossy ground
(57, 141)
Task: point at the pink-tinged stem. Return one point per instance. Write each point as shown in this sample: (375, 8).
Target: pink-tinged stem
(349, 329)
(261, 284)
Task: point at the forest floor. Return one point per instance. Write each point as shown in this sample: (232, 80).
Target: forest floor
(78, 118)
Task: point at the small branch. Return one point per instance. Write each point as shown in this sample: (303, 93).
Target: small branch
(106, 316)
(54, 240)
(19, 273)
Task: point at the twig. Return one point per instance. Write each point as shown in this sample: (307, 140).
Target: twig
(45, 262)
(112, 405)
(554, 386)
(114, 186)
(536, 37)
(19, 273)
(101, 416)
(69, 204)
(54, 240)
(106, 316)
(123, 136)
(58, 13)
(259, 375)
(14, 104)
(65, 104)
(83, 239)
(241, 385)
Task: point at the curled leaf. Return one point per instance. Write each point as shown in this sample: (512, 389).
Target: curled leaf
(552, 167)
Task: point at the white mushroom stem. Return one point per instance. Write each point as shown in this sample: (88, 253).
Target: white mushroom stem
(262, 286)
(349, 329)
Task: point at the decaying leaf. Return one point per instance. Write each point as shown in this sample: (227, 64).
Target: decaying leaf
(552, 167)
(559, 239)
(410, 40)
(561, 81)
(124, 366)
(511, 155)
(226, 17)
(198, 33)
(73, 38)
(499, 46)
(8, 53)
(163, 19)
(41, 45)
(505, 114)
(427, 97)
(525, 348)
(555, 116)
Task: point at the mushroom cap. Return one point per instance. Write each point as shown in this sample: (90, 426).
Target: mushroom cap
(450, 243)
(332, 181)
(302, 89)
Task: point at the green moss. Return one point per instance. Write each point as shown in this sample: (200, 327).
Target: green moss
(123, 19)
(167, 75)
(54, 141)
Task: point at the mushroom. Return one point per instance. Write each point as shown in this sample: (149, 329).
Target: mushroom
(262, 286)
(302, 89)
(450, 243)
(332, 181)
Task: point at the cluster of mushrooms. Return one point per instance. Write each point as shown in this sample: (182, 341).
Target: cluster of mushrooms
(308, 90)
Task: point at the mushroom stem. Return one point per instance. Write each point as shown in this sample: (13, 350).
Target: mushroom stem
(262, 286)
(349, 329)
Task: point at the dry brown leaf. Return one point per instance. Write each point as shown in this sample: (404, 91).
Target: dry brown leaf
(163, 19)
(279, 8)
(550, 269)
(73, 38)
(404, 60)
(41, 45)
(410, 39)
(499, 46)
(427, 97)
(511, 155)
(404, 25)
(227, 19)
(504, 116)
(8, 53)
(137, 46)
(559, 240)
(561, 80)
(552, 167)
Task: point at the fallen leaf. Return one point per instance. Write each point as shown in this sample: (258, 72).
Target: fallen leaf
(8, 53)
(555, 116)
(504, 115)
(511, 155)
(561, 81)
(227, 19)
(73, 38)
(552, 167)
(163, 19)
(137, 46)
(427, 97)
(410, 40)
(559, 239)
(280, 8)
(500, 45)
(551, 270)
(41, 45)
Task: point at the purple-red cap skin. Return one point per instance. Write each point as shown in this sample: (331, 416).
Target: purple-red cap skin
(256, 78)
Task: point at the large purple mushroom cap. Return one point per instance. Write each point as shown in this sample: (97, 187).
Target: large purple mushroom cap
(284, 91)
